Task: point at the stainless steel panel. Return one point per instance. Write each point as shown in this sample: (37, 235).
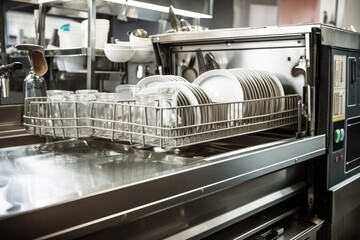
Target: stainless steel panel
(11, 117)
(337, 37)
(345, 197)
(346, 227)
(125, 199)
(295, 227)
(12, 131)
(256, 56)
(196, 214)
(330, 36)
(240, 34)
(213, 224)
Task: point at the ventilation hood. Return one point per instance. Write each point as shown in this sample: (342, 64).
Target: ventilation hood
(150, 10)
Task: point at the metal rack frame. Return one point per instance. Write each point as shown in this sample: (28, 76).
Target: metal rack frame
(219, 121)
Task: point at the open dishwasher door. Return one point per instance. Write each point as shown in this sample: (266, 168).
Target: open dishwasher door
(96, 189)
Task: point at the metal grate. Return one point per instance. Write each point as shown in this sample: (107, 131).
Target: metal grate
(161, 127)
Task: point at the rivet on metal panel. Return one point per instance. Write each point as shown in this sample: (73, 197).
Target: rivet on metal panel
(228, 44)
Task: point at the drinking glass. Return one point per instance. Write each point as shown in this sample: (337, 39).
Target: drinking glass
(145, 114)
(77, 112)
(56, 99)
(103, 113)
(168, 103)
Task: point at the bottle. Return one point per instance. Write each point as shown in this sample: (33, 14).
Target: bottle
(34, 85)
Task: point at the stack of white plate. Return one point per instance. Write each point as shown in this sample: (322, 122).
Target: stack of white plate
(240, 84)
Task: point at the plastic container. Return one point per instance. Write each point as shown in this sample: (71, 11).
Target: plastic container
(75, 64)
(102, 31)
(71, 35)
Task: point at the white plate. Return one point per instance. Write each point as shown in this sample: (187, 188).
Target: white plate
(156, 79)
(202, 99)
(262, 90)
(247, 107)
(278, 87)
(270, 105)
(222, 86)
(153, 80)
(177, 78)
(278, 83)
(254, 92)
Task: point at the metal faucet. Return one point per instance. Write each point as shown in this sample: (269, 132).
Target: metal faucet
(5, 71)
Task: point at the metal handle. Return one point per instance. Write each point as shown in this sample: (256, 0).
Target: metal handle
(29, 47)
(352, 70)
(10, 67)
(272, 234)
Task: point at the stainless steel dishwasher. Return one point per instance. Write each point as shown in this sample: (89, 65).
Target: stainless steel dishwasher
(244, 177)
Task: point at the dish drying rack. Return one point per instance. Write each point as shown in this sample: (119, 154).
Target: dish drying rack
(194, 124)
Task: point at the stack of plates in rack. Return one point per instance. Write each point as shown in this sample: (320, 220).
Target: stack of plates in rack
(188, 95)
(240, 84)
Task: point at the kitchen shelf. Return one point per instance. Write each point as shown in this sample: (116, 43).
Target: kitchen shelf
(66, 52)
(72, 52)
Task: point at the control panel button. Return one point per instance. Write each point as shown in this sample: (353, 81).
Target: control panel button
(337, 136)
(342, 134)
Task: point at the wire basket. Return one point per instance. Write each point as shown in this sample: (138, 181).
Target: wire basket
(164, 127)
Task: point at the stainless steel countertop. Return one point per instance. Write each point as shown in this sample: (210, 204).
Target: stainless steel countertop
(39, 175)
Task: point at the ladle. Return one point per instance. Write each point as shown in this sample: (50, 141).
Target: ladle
(122, 16)
(175, 22)
(40, 66)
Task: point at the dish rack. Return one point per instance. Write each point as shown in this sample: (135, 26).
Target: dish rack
(164, 127)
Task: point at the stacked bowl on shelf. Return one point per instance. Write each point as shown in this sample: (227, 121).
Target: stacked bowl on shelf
(143, 48)
(137, 49)
(119, 52)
